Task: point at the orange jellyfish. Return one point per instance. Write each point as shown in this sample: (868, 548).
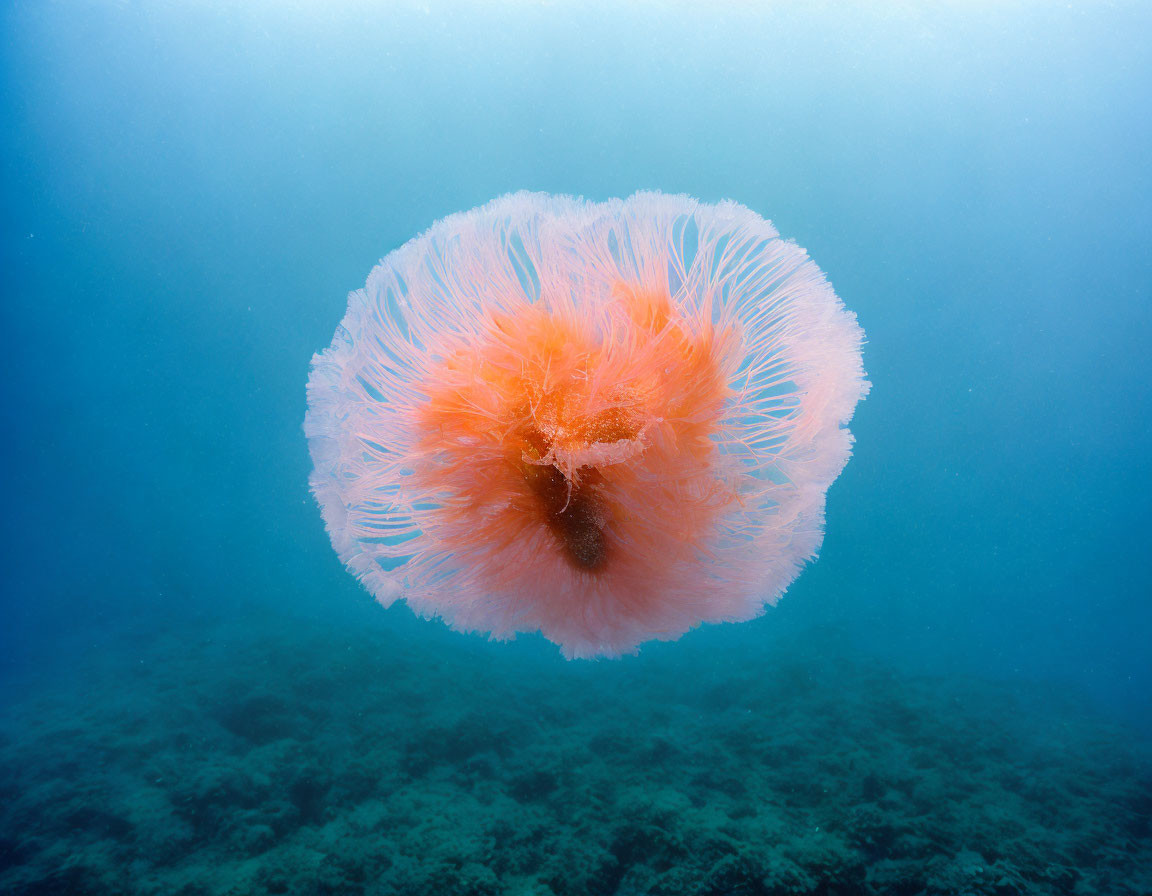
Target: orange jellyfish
(608, 422)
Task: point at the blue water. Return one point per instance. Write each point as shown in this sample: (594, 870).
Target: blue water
(188, 192)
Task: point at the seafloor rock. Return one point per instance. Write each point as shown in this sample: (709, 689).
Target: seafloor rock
(502, 770)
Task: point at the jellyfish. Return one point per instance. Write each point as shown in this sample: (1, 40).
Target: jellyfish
(609, 422)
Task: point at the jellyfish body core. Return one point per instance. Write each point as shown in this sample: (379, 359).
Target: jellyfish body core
(607, 422)
(571, 422)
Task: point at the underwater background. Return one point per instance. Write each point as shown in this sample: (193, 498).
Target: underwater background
(195, 696)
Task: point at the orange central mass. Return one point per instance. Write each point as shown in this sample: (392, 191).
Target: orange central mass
(563, 420)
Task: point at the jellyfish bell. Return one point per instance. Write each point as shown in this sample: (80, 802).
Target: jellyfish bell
(607, 422)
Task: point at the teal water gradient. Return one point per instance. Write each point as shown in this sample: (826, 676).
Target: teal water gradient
(187, 193)
(192, 188)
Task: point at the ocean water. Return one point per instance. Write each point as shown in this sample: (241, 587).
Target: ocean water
(195, 696)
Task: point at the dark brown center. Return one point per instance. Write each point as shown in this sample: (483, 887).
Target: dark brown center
(571, 514)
